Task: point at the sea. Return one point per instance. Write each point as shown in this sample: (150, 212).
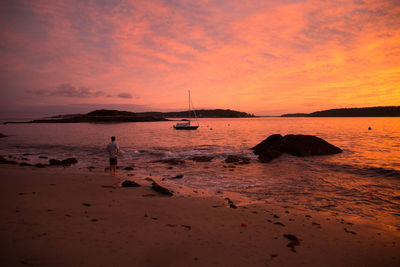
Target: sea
(361, 182)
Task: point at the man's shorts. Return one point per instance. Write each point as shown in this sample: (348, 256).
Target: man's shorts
(113, 161)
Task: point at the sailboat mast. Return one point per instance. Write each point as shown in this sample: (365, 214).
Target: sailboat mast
(189, 103)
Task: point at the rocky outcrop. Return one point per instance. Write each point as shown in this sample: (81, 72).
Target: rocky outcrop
(296, 145)
(128, 183)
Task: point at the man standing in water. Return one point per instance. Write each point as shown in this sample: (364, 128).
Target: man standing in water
(113, 149)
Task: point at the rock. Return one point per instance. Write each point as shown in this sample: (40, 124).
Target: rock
(232, 159)
(55, 162)
(43, 157)
(308, 145)
(39, 165)
(128, 168)
(294, 241)
(173, 161)
(6, 161)
(237, 160)
(128, 183)
(350, 232)
(187, 226)
(69, 161)
(179, 176)
(202, 158)
(269, 155)
(25, 164)
(2, 135)
(296, 145)
(160, 189)
(272, 142)
(269, 149)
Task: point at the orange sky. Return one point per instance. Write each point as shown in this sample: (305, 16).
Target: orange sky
(262, 57)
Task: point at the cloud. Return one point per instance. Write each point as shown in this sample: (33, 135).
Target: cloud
(68, 90)
(246, 54)
(37, 92)
(124, 95)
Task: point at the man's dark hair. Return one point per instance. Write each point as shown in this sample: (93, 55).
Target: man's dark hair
(112, 138)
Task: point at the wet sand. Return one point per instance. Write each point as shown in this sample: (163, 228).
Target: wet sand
(63, 217)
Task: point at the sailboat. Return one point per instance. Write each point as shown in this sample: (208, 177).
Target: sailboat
(187, 125)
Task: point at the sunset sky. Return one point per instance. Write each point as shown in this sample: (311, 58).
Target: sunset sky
(263, 57)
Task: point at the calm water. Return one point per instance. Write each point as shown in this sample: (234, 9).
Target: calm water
(364, 180)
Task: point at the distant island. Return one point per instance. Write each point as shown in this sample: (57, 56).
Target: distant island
(104, 116)
(200, 113)
(391, 111)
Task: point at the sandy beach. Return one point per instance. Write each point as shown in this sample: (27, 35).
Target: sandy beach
(66, 217)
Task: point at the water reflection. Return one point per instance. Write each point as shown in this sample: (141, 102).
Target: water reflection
(362, 180)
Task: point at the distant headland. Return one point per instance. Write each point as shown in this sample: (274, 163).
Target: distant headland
(391, 111)
(104, 116)
(201, 113)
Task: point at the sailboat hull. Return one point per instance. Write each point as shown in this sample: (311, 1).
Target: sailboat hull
(188, 127)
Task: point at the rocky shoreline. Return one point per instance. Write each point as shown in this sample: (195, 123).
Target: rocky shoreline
(267, 150)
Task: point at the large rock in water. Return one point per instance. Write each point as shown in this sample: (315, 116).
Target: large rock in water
(308, 145)
(296, 145)
(270, 148)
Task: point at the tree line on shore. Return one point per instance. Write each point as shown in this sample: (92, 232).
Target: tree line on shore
(391, 111)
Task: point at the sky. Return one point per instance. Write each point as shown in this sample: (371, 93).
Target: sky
(262, 57)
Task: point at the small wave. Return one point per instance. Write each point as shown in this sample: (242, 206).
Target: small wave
(187, 153)
(364, 170)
